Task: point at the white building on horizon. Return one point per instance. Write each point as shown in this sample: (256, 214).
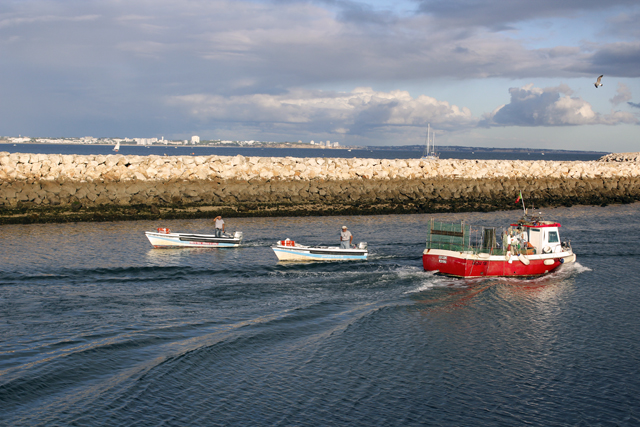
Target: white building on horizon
(20, 139)
(145, 141)
(195, 139)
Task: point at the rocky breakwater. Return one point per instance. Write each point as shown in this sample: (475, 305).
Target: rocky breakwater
(42, 188)
(621, 157)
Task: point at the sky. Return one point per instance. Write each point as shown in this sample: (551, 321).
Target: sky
(490, 73)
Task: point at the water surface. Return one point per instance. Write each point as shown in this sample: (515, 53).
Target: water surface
(185, 150)
(98, 328)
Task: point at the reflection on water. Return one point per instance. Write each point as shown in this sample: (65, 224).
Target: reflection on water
(545, 288)
(460, 297)
(461, 292)
(176, 256)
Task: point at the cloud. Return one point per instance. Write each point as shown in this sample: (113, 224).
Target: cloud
(618, 59)
(633, 104)
(624, 25)
(362, 13)
(82, 65)
(357, 112)
(17, 21)
(500, 14)
(219, 43)
(552, 106)
(623, 94)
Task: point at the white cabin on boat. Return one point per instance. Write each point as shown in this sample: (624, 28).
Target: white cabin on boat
(544, 236)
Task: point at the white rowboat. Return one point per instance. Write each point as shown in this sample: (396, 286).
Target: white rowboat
(288, 250)
(166, 239)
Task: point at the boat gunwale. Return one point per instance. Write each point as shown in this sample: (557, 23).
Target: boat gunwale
(328, 250)
(469, 255)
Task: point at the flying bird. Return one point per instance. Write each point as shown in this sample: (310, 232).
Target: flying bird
(597, 83)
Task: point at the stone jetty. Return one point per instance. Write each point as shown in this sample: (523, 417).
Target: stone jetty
(45, 188)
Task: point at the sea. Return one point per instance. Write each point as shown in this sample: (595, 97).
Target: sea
(97, 328)
(187, 150)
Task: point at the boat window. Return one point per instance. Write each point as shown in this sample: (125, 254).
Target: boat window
(553, 237)
(537, 230)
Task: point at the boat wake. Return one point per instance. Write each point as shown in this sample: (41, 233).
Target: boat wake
(576, 267)
(431, 280)
(564, 273)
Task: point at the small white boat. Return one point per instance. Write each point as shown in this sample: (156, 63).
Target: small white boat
(117, 147)
(164, 238)
(288, 250)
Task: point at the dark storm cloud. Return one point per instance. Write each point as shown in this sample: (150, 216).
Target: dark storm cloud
(633, 104)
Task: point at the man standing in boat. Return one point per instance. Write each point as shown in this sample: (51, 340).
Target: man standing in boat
(219, 224)
(345, 238)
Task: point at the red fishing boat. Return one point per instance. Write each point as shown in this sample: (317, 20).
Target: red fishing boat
(530, 247)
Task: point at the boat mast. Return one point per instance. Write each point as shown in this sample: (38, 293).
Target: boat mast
(428, 134)
(433, 144)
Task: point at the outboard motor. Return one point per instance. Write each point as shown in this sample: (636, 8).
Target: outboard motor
(237, 235)
(362, 245)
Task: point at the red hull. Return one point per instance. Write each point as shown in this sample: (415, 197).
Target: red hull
(454, 265)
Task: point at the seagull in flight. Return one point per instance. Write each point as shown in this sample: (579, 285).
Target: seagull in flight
(597, 83)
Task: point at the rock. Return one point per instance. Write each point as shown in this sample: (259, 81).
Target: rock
(122, 180)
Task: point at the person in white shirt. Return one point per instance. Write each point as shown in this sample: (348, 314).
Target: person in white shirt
(219, 224)
(345, 238)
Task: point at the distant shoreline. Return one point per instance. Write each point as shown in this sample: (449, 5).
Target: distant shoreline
(416, 148)
(465, 149)
(282, 145)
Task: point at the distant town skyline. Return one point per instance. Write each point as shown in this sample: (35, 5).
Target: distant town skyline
(488, 73)
(193, 140)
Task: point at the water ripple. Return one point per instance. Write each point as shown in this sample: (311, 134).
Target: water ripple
(108, 331)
